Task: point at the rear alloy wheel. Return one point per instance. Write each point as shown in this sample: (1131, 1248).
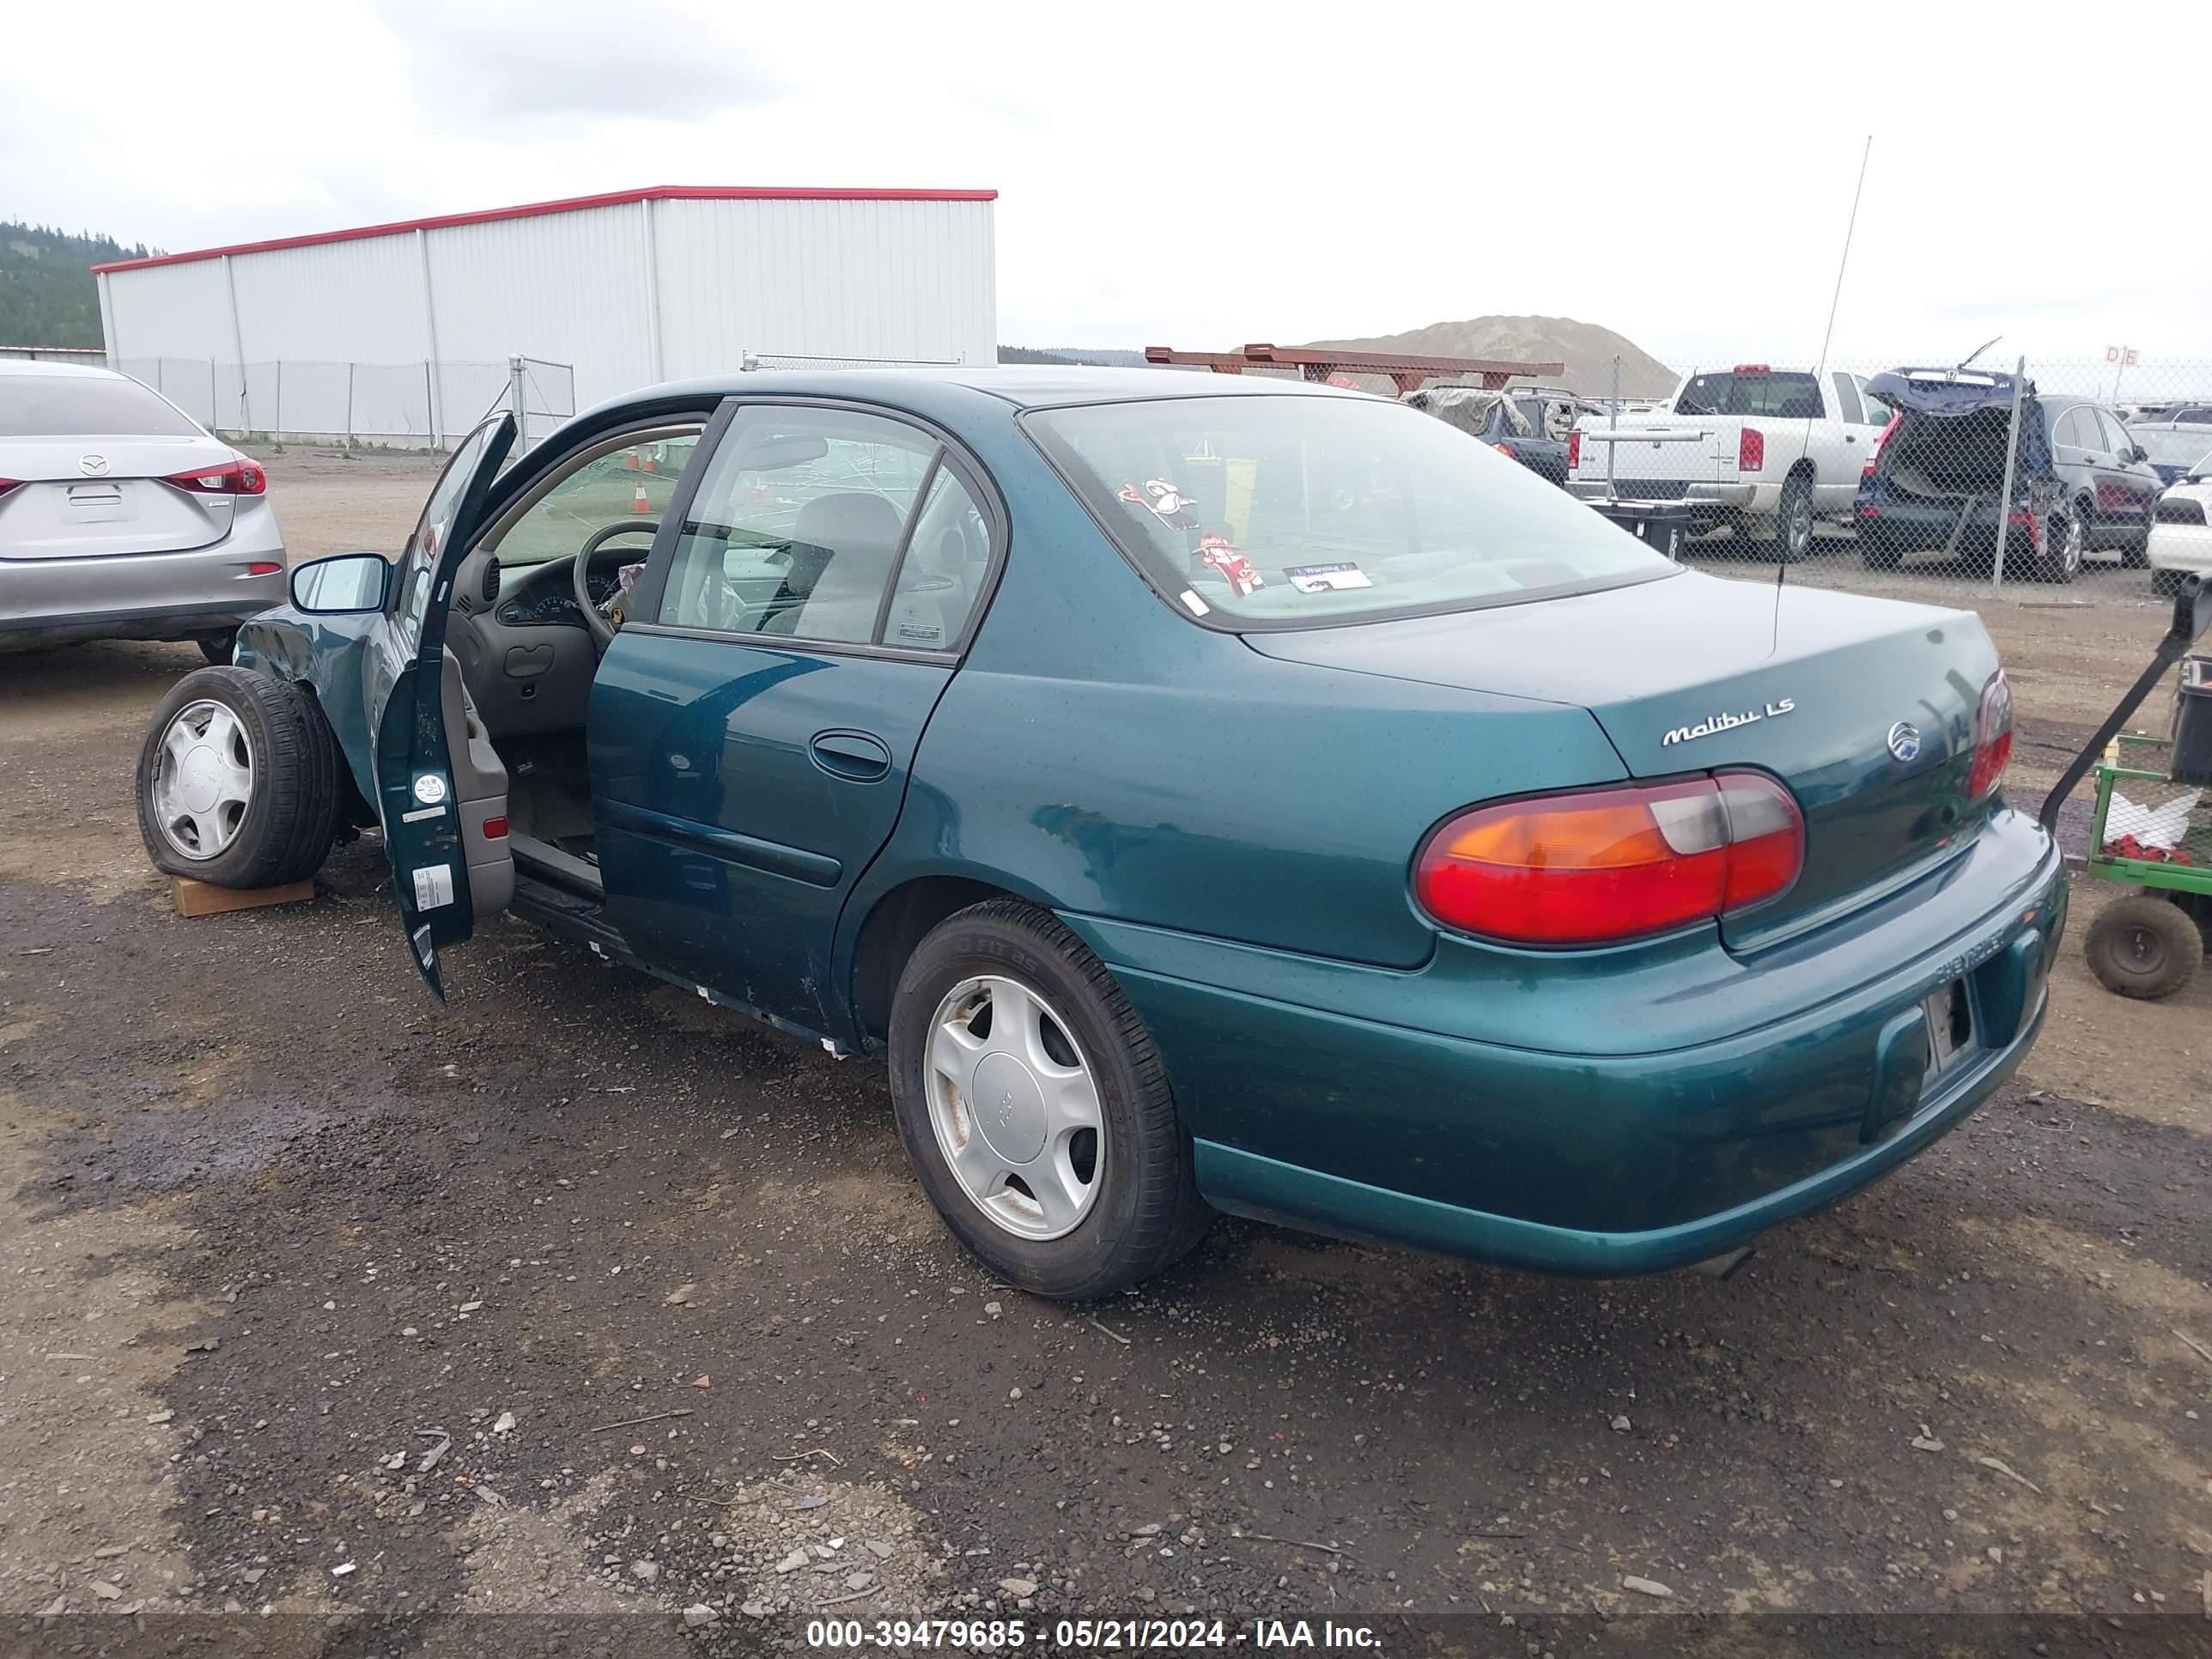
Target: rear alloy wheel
(1876, 550)
(1035, 1109)
(2064, 540)
(237, 780)
(219, 648)
(1793, 521)
(2144, 946)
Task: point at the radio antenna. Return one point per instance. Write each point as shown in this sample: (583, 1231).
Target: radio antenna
(1821, 368)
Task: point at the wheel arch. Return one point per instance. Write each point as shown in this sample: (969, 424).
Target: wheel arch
(895, 922)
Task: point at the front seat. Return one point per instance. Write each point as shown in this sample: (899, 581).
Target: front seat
(842, 549)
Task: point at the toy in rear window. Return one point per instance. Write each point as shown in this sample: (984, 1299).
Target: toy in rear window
(1163, 499)
(1215, 554)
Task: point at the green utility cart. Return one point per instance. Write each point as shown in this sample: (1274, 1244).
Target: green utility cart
(2151, 826)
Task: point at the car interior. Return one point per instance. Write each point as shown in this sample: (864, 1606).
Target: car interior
(520, 660)
(789, 546)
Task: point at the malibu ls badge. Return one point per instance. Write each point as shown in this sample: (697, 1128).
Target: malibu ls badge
(1727, 721)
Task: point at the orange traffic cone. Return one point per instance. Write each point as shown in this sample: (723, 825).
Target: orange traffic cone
(648, 458)
(630, 460)
(641, 506)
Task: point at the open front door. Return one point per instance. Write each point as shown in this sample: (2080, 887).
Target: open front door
(417, 799)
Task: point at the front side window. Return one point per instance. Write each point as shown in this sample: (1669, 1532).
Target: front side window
(798, 525)
(2115, 439)
(418, 560)
(1847, 400)
(1289, 511)
(629, 482)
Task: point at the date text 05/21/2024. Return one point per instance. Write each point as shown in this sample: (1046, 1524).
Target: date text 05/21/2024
(1100, 1635)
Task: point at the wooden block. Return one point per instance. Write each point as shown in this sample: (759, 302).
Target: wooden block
(198, 898)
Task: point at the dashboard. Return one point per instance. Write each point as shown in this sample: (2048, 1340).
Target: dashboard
(543, 599)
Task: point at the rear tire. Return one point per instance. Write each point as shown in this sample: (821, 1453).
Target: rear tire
(219, 648)
(1793, 521)
(271, 828)
(1139, 1210)
(2144, 946)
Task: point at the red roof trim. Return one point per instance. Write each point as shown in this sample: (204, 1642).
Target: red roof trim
(569, 204)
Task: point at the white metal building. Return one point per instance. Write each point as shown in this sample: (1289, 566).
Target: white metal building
(403, 332)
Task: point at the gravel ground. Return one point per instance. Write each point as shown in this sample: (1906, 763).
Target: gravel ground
(586, 1304)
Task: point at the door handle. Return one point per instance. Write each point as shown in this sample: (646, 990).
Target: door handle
(853, 756)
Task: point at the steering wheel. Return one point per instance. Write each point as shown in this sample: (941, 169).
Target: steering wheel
(580, 572)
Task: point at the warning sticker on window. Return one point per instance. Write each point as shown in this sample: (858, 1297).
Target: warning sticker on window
(1321, 578)
(434, 886)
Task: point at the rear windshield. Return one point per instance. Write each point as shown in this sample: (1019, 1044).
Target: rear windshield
(2173, 448)
(1784, 396)
(66, 406)
(1288, 512)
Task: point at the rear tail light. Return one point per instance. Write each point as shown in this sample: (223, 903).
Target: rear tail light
(7, 484)
(1601, 866)
(1992, 739)
(1750, 449)
(238, 476)
(1574, 449)
(1507, 451)
(1873, 451)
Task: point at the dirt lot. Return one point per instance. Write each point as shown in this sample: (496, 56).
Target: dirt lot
(275, 1230)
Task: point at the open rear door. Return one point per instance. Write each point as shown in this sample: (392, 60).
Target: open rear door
(417, 796)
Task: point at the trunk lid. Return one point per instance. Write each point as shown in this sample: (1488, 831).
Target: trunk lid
(1693, 673)
(68, 507)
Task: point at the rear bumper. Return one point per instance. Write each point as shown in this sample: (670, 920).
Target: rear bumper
(2181, 547)
(1752, 498)
(137, 596)
(1367, 1124)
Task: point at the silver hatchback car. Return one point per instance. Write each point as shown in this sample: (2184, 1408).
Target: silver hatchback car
(120, 518)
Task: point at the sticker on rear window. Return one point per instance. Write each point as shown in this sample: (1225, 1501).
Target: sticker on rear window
(434, 886)
(1323, 578)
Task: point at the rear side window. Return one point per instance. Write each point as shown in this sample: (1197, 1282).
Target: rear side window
(1779, 397)
(91, 406)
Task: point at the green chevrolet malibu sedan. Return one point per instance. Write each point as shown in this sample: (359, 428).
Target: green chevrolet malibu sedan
(1207, 793)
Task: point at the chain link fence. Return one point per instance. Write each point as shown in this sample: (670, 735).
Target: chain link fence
(1893, 466)
(419, 405)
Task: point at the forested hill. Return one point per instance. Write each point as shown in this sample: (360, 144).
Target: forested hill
(46, 293)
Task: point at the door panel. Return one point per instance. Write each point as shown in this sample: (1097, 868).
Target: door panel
(740, 787)
(403, 690)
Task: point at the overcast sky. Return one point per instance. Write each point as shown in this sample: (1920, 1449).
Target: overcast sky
(1203, 176)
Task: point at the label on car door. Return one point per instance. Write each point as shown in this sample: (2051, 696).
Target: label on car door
(434, 886)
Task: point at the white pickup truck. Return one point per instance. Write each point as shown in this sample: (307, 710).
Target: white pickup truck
(1767, 451)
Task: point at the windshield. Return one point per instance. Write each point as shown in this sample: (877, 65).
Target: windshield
(2171, 449)
(1289, 511)
(90, 406)
(1786, 396)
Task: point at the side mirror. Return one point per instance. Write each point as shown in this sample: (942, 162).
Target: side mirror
(343, 585)
(2193, 609)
